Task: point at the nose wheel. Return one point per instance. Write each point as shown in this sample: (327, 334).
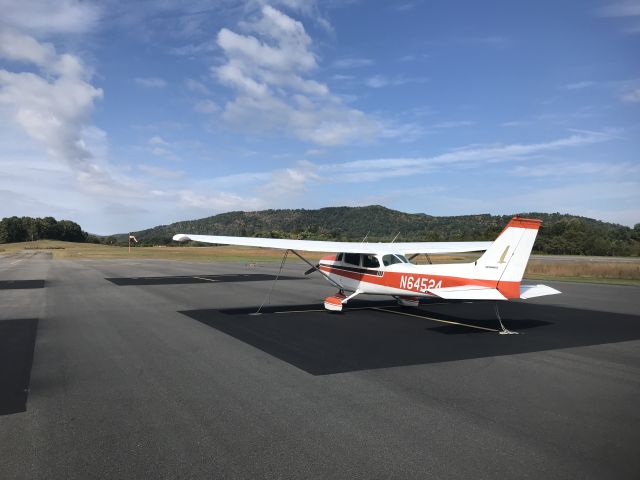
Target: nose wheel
(335, 302)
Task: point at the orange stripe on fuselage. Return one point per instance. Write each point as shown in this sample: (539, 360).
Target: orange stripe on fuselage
(394, 280)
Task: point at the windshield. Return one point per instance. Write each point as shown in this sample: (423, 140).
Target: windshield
(392, 259)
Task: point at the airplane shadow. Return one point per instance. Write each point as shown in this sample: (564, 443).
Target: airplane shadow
(20, 284)
(323, 343)
(17, 343)
(189, 279)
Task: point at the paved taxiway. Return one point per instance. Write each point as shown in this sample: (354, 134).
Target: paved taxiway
(154, 369)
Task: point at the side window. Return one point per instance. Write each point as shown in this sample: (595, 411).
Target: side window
(370, 261)
(352, 258)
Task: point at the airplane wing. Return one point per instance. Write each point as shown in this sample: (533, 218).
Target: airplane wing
(404, 248)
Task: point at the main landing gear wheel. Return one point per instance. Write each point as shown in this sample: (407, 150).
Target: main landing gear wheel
(408, 301)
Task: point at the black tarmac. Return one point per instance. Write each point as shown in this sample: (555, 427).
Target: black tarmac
(163, 369)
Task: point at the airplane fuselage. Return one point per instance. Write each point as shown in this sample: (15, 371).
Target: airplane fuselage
(406, 279)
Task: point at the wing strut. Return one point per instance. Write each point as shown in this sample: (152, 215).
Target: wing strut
(268, 295)
(418, 254)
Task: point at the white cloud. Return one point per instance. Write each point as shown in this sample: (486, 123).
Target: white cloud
(206, 106)
(159, 147)
(380, 81)
(220, 202)
(605, 200)
(454, 124)
(342, 77)
(474, 156)
(151, 82)
(160, 172)
(266, 71)
(632, 96)
(403, 7)
(627, 90)
(158, 140)
(315, 152)
(561, 169)
(290, 180)
(52, 106)
(307, 8)
(352, 62)
(628, 8)
(516, 123)
(580, 85)
(194, 49)
(377, 81)
(197, 87)
(46, 17)
(23, 48)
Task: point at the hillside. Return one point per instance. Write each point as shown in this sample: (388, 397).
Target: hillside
(560, 233)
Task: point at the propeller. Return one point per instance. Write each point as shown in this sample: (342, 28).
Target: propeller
(312, 269)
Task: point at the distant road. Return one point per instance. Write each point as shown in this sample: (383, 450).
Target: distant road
(565, 258)
(582, 258)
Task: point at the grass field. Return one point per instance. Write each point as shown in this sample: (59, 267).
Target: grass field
(620, 271)
(65, 250)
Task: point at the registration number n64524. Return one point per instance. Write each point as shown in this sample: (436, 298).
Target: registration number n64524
(419, 284)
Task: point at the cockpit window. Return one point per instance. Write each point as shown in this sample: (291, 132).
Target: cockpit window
(393, 259)
(339, 257)
(370, 261)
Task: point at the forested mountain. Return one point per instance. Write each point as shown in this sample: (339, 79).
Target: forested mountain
(560, 234)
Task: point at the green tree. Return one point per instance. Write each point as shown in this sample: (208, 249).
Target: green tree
(49, 228)
(70, 231)
(12, 230)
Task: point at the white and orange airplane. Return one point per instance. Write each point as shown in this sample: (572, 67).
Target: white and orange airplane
(383, 268)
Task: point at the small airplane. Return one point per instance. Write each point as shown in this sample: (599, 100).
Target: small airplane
(384, 269)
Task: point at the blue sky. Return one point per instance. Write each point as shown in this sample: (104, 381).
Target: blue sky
(125, 115)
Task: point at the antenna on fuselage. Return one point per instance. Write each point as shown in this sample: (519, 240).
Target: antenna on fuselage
(364, 239)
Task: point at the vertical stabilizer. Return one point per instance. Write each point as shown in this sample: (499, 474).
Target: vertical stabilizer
(506, 259)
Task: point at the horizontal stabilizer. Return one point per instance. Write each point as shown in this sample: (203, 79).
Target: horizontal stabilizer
(532, 291)
(468, 292)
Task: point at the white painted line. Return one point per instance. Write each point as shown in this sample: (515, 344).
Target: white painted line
(207, 279)
(301, 311)
(436, 319)
(348, 309)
